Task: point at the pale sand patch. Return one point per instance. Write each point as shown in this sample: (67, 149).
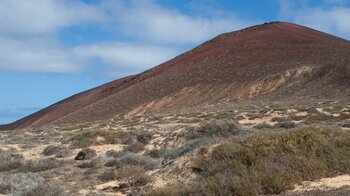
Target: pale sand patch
(102, 149)
(346, 110)
(100, 139)
(8, 146)
(292, 110)
(85, 192)
(159, 182)
(107, 185)
(301, 114)
(266, 119)
(35, 152)
(324, 184)
(321, 110)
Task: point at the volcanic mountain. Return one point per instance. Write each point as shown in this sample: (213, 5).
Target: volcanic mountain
(273, 61)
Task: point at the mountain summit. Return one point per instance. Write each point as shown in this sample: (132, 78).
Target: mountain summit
(274, 61)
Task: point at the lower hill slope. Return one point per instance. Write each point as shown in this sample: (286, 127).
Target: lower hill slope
(271, 61)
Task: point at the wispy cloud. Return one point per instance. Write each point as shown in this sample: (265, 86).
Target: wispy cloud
(331, 16)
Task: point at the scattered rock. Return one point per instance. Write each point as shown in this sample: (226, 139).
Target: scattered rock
(347, 125)
(86, 154)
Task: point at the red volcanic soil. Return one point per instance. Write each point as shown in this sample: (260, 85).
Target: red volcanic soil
(261, 60)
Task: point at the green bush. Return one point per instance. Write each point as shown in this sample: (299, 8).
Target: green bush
(218, 128)
(268, 163)
(88, 138)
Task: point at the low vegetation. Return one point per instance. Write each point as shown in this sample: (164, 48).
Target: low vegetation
(88, 138)
(41, 165)
(132, 174)
(58, 151)
(29, 184)
(267, 163)
(133, 159)
(10, 159)
(213, 128)
(212, 154)
(176, 152)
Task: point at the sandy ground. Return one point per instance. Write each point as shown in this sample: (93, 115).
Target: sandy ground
(324, 184)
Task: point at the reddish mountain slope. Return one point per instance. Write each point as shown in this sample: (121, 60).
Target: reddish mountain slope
(264, 59)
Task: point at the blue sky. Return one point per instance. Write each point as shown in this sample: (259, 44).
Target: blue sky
(52, 49)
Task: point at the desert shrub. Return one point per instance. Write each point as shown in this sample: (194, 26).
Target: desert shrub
(134, 175)
(5, 184)
(133, 159)
(108, 175)
(322, 117)
(144, 136)
(269, 163)
(93, 163)
(10, 160)
(252, 116)
(86, 154)
(239, 117)
(286, 125)
(58, 151)
(297, 118)
(173, 153)
(263, 126)
(343, 116)
(31, 184)
(279, 119)
(41, 165)
(115, 154)
(219, 128)
(87, 138)
(135, 147)
(155, 153)
(172, 189)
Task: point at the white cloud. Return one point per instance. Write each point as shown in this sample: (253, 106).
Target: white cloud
(30, 29)
(125, 57)
(33, 17)
(332, 17)
(37, 55)
(29, 34)
(146, 19)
